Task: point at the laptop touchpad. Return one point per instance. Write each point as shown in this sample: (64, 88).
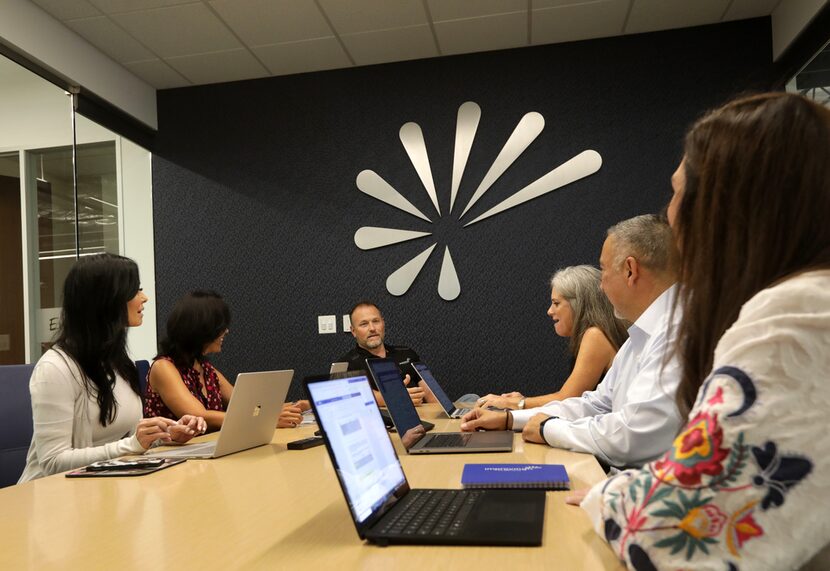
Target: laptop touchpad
(506, 512)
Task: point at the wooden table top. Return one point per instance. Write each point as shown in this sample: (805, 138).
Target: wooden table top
(268, 508)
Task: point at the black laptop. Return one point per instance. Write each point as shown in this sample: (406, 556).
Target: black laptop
(384, 508)
(389, 382)
(435, 387)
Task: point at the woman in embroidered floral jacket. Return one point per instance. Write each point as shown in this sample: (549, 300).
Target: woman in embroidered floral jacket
(746, 484)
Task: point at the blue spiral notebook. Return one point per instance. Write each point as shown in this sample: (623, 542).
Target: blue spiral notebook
(540, 476)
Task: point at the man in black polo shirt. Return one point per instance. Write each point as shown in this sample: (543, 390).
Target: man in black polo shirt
(368, 329)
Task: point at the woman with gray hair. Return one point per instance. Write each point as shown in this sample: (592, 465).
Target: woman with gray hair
(581, 312)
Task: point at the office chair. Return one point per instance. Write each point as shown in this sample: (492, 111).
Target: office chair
(16, 412)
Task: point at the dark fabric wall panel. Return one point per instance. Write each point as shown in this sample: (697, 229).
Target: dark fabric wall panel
(255, 196)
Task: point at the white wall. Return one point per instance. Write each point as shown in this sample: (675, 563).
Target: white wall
(789, 19)
(29, 30)
(137, 238)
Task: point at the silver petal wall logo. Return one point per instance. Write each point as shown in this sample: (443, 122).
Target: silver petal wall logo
(369, 182)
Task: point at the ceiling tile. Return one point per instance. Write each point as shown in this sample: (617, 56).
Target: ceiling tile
(119, 6)
(742, 9)
(300, 57)
(457, 9)
(578, 21)
(354, 16)
(68, 9)
(391, 45)
(268, 22)
(482, 34)
(102, 33)
(179, 30)
(232, 65)
(652, 15)
(157, 73)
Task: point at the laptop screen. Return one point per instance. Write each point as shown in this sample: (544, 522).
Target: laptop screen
(390, 384)
(436, 389)
(365, 461)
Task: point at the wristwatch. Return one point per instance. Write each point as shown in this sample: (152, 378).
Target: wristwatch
(521, 404)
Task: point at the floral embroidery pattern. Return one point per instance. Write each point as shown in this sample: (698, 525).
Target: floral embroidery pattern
(685, 493)
(696, 451)
(742, 527)
(779, 473)
(703, 521)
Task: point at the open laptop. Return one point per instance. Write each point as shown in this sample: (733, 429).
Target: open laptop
(433, 385)
(251, 418)
(388, 379)
(339, 367)
(383, 507)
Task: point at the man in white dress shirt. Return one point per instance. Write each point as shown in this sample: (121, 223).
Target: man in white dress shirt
(631, 417)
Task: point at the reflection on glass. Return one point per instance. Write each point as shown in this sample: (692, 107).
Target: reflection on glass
(412, 436)
(97, 218)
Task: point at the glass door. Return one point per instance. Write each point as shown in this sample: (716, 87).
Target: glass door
(59, 199)
(77, 215)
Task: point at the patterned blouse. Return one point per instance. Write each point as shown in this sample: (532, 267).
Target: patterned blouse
(746, 483)
(154, 406)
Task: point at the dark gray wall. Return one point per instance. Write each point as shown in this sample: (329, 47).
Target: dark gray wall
(255, 196)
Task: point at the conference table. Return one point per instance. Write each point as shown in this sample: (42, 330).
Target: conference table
(270, 508)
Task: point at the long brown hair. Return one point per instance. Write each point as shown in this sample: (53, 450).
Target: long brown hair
(754, 210)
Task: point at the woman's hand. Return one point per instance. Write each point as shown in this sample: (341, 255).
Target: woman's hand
(149, 430)
(291, 416)
(187, 427)
(507, 400)
(575, 498)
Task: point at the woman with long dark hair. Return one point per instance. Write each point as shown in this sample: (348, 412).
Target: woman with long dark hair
(581, 312)
(746, 483)
(86, 404)
(182, 380)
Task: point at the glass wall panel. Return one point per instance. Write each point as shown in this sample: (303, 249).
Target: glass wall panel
(68, 188)
(72, 224)
(35, 116)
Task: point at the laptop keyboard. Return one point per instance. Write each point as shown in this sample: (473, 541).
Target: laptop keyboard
(450, 440)
(432, 513)
(459, 412)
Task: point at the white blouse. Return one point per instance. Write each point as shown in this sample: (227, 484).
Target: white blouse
(67, 431)
(746, 483)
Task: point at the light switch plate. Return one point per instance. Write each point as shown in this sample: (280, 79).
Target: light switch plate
(347, 323)
(326, 324)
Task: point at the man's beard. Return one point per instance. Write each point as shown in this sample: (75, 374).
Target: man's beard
(374, 343)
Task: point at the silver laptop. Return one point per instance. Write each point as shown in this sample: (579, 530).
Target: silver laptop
(339, 367)
(250, 420)
(435, 388)
(389, 382)
(336, 367)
